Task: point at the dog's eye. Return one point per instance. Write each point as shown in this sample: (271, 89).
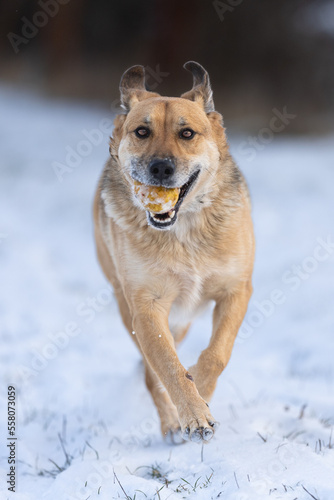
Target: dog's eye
(142, 132)
(187, 133)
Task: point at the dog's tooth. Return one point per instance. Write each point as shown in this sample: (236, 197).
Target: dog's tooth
(162, 221)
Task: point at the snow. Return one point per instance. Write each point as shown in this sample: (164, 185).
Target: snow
(86, 425)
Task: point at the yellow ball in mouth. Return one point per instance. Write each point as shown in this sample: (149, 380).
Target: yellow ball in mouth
(156, 199)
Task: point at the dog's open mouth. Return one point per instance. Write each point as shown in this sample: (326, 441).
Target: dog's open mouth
(167, 219)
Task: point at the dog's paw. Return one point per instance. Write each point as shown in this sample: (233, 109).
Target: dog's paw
(199, 434)
(174, 436)
(171, 429)
(198, 425)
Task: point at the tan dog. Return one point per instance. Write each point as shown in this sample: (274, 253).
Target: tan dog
(165, 267)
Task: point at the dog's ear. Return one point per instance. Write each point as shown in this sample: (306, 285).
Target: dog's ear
(201, 90)
(132, 87)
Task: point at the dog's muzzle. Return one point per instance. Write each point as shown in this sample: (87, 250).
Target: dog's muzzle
(164, 221)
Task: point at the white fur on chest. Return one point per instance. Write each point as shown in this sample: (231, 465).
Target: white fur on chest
(189, 302)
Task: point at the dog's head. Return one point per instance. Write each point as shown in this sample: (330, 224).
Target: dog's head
(169, 142)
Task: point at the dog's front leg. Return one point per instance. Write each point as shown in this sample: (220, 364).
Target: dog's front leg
(227, 318)
(157, 344)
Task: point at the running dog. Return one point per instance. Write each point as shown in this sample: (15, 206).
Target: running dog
(167, 264)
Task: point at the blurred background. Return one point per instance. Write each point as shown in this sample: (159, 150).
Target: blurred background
(259, 54)
(271, 64)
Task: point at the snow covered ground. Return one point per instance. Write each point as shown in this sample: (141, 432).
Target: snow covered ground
(87, 427)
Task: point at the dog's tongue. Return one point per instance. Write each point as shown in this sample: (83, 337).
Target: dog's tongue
(156, 199)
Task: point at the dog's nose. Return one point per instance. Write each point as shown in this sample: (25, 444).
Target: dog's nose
(161, 170)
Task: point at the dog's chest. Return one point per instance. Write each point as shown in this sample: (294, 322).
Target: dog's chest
(189, 301)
